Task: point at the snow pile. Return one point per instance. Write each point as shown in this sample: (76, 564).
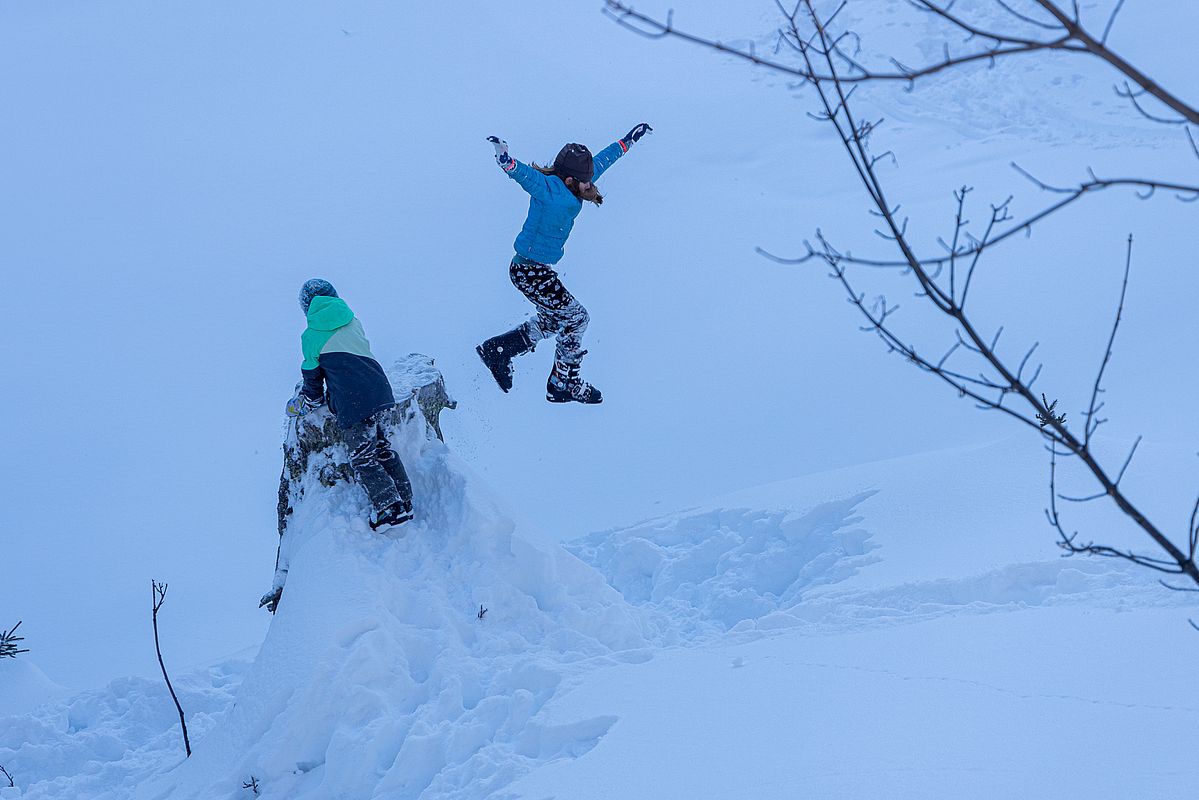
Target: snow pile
(413, 664)
(399, 666)
(23, 686)
(457, 659)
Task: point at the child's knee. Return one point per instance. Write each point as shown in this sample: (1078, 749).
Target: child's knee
(577, 319)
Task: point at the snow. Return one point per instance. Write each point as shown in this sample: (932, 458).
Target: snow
(23, 686)
(379, 678)
(776, 562)
(1034, 703)
(730, 565)
(746, 646)
(242, 150)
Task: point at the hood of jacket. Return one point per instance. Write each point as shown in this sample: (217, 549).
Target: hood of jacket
(328, 313)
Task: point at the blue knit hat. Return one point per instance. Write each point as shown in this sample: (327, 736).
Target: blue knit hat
(313, 288)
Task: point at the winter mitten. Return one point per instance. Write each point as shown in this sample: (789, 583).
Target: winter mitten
(271, 600)
(301, 404)
(635, 135)
(501, 151)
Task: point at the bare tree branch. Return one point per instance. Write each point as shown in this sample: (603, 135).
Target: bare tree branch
(159, 596)
(1099, 49)
(1111, 20)
(1072, 194)
(1191, 139)
(1193, 528)
(834, 90)
(1092, 421)
(1024, 17)
(1132, 451)
(1070, 36)
(649, 27)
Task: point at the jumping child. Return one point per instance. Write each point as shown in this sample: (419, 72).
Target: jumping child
(556, 197)
(338, 356)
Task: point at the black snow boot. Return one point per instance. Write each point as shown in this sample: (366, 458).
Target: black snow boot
(394, 514)
(565, 385)
(498, 351)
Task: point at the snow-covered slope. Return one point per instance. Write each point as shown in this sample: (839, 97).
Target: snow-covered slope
(210, 157)
(400, 666)
(695, 654)
(905, 628)
(1034, 703)
(414, 664)
(952, 531)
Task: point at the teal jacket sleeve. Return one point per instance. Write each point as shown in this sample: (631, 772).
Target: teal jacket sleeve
(607, 157)
(532, 181)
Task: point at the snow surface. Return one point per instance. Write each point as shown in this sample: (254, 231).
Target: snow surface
(896, 622)
(741, 647)
(24, 687)
(167, 153)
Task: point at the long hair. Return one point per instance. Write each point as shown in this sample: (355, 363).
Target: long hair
(592, 194)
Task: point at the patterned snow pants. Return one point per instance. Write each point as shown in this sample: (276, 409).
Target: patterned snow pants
(558, 313)
(376, 466)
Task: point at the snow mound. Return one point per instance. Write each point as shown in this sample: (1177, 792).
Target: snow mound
(24, 687)
(442, 660)
(413, 664)
(718, 568)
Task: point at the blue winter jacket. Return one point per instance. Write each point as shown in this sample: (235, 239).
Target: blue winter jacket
(552, 207)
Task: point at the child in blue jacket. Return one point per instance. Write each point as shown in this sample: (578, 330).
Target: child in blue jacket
(556, 196)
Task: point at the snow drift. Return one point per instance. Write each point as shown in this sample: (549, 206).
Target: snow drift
(459, 658)
(408, 664)
(420, 663)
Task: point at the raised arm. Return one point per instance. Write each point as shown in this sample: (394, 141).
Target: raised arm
(607, 157)
(529, 179)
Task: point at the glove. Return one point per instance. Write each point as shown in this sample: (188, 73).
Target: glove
(635, 135)
(501, 151)
(301, 404)
(271, 600)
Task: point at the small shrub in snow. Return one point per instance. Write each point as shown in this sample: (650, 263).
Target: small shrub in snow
(8, 644)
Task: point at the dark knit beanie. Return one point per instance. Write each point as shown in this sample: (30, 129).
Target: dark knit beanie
(574, 161)
(312, 288)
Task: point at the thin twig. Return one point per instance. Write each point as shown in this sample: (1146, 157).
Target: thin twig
(1111, 20)
(159, 596)
(1073, 194)
(1092, 423)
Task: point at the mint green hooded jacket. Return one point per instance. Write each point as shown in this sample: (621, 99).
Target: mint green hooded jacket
(338, 359)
